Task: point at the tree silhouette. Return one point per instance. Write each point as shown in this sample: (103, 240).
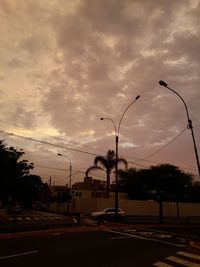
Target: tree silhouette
(15, 175)
(169, 183)
(107, 164)
(164, 182)
(28, 188)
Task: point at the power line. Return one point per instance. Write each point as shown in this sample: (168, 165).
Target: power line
(152, 154)
(57, 138)
(47, 167)
(60, 139)
(60, 169)
(140, 165)
(94, 154)
(48, 143)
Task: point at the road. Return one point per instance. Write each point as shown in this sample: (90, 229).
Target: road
(105, 247)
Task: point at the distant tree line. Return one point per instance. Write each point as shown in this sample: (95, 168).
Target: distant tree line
(164, 182)
(161, 183)
(16, 182)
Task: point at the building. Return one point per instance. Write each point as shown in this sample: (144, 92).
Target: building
(88, 189)
(93, 189)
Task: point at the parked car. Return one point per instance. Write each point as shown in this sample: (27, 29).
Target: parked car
(107, 214)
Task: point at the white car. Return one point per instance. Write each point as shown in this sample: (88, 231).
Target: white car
(107, 214)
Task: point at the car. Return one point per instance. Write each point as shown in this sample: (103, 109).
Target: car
(107, 214)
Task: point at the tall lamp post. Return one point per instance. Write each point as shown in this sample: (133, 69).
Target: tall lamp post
(70, 176)
(117, 131)
(162, 83)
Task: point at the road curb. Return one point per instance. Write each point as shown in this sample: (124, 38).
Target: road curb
(55, 231)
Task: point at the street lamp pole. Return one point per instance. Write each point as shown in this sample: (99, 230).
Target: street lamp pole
(70, 176)
(117, 131)
(162, 83)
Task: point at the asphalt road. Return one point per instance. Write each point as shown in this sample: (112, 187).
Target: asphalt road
(103, 247)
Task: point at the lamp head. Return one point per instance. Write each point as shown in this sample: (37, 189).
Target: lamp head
(162, 83)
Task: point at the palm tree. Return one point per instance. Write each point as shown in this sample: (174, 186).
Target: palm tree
(107, 164)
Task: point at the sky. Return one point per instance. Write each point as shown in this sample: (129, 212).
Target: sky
(65, 64)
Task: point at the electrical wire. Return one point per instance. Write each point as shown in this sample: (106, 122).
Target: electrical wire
(47, 167)
(157, 151)
(54, 137)
(94, 154)
(137, 160)
(48, 143)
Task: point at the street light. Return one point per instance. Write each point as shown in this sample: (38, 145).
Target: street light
(70, 175)
(117, 131)
(162, 83)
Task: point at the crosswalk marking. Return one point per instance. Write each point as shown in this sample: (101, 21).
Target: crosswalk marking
(183, 262)
(162, 264)
(189, 255)
(176, 259)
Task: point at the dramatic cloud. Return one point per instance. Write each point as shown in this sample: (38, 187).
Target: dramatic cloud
(66, 64)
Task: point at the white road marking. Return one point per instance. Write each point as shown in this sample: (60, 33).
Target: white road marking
(179, 260)
(143, 238)
(183, 262)
(189, 255)
(193, 244)
(162, 264)
(17, 255)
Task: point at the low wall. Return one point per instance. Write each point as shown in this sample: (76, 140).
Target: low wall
(189, 209)
(139, 207)
(131, 207)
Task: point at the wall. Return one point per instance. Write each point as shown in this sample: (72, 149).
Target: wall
(131, 207)
(140, 207)
(188, 209)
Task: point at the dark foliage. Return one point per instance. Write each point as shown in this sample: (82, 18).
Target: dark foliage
(16, 182)
(163, 182)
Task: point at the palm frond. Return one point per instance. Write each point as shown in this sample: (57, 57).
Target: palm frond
(101, 160)
(93, 168)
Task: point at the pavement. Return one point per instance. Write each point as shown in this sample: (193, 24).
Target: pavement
(190, 232)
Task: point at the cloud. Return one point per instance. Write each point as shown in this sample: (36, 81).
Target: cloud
(66, 64)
